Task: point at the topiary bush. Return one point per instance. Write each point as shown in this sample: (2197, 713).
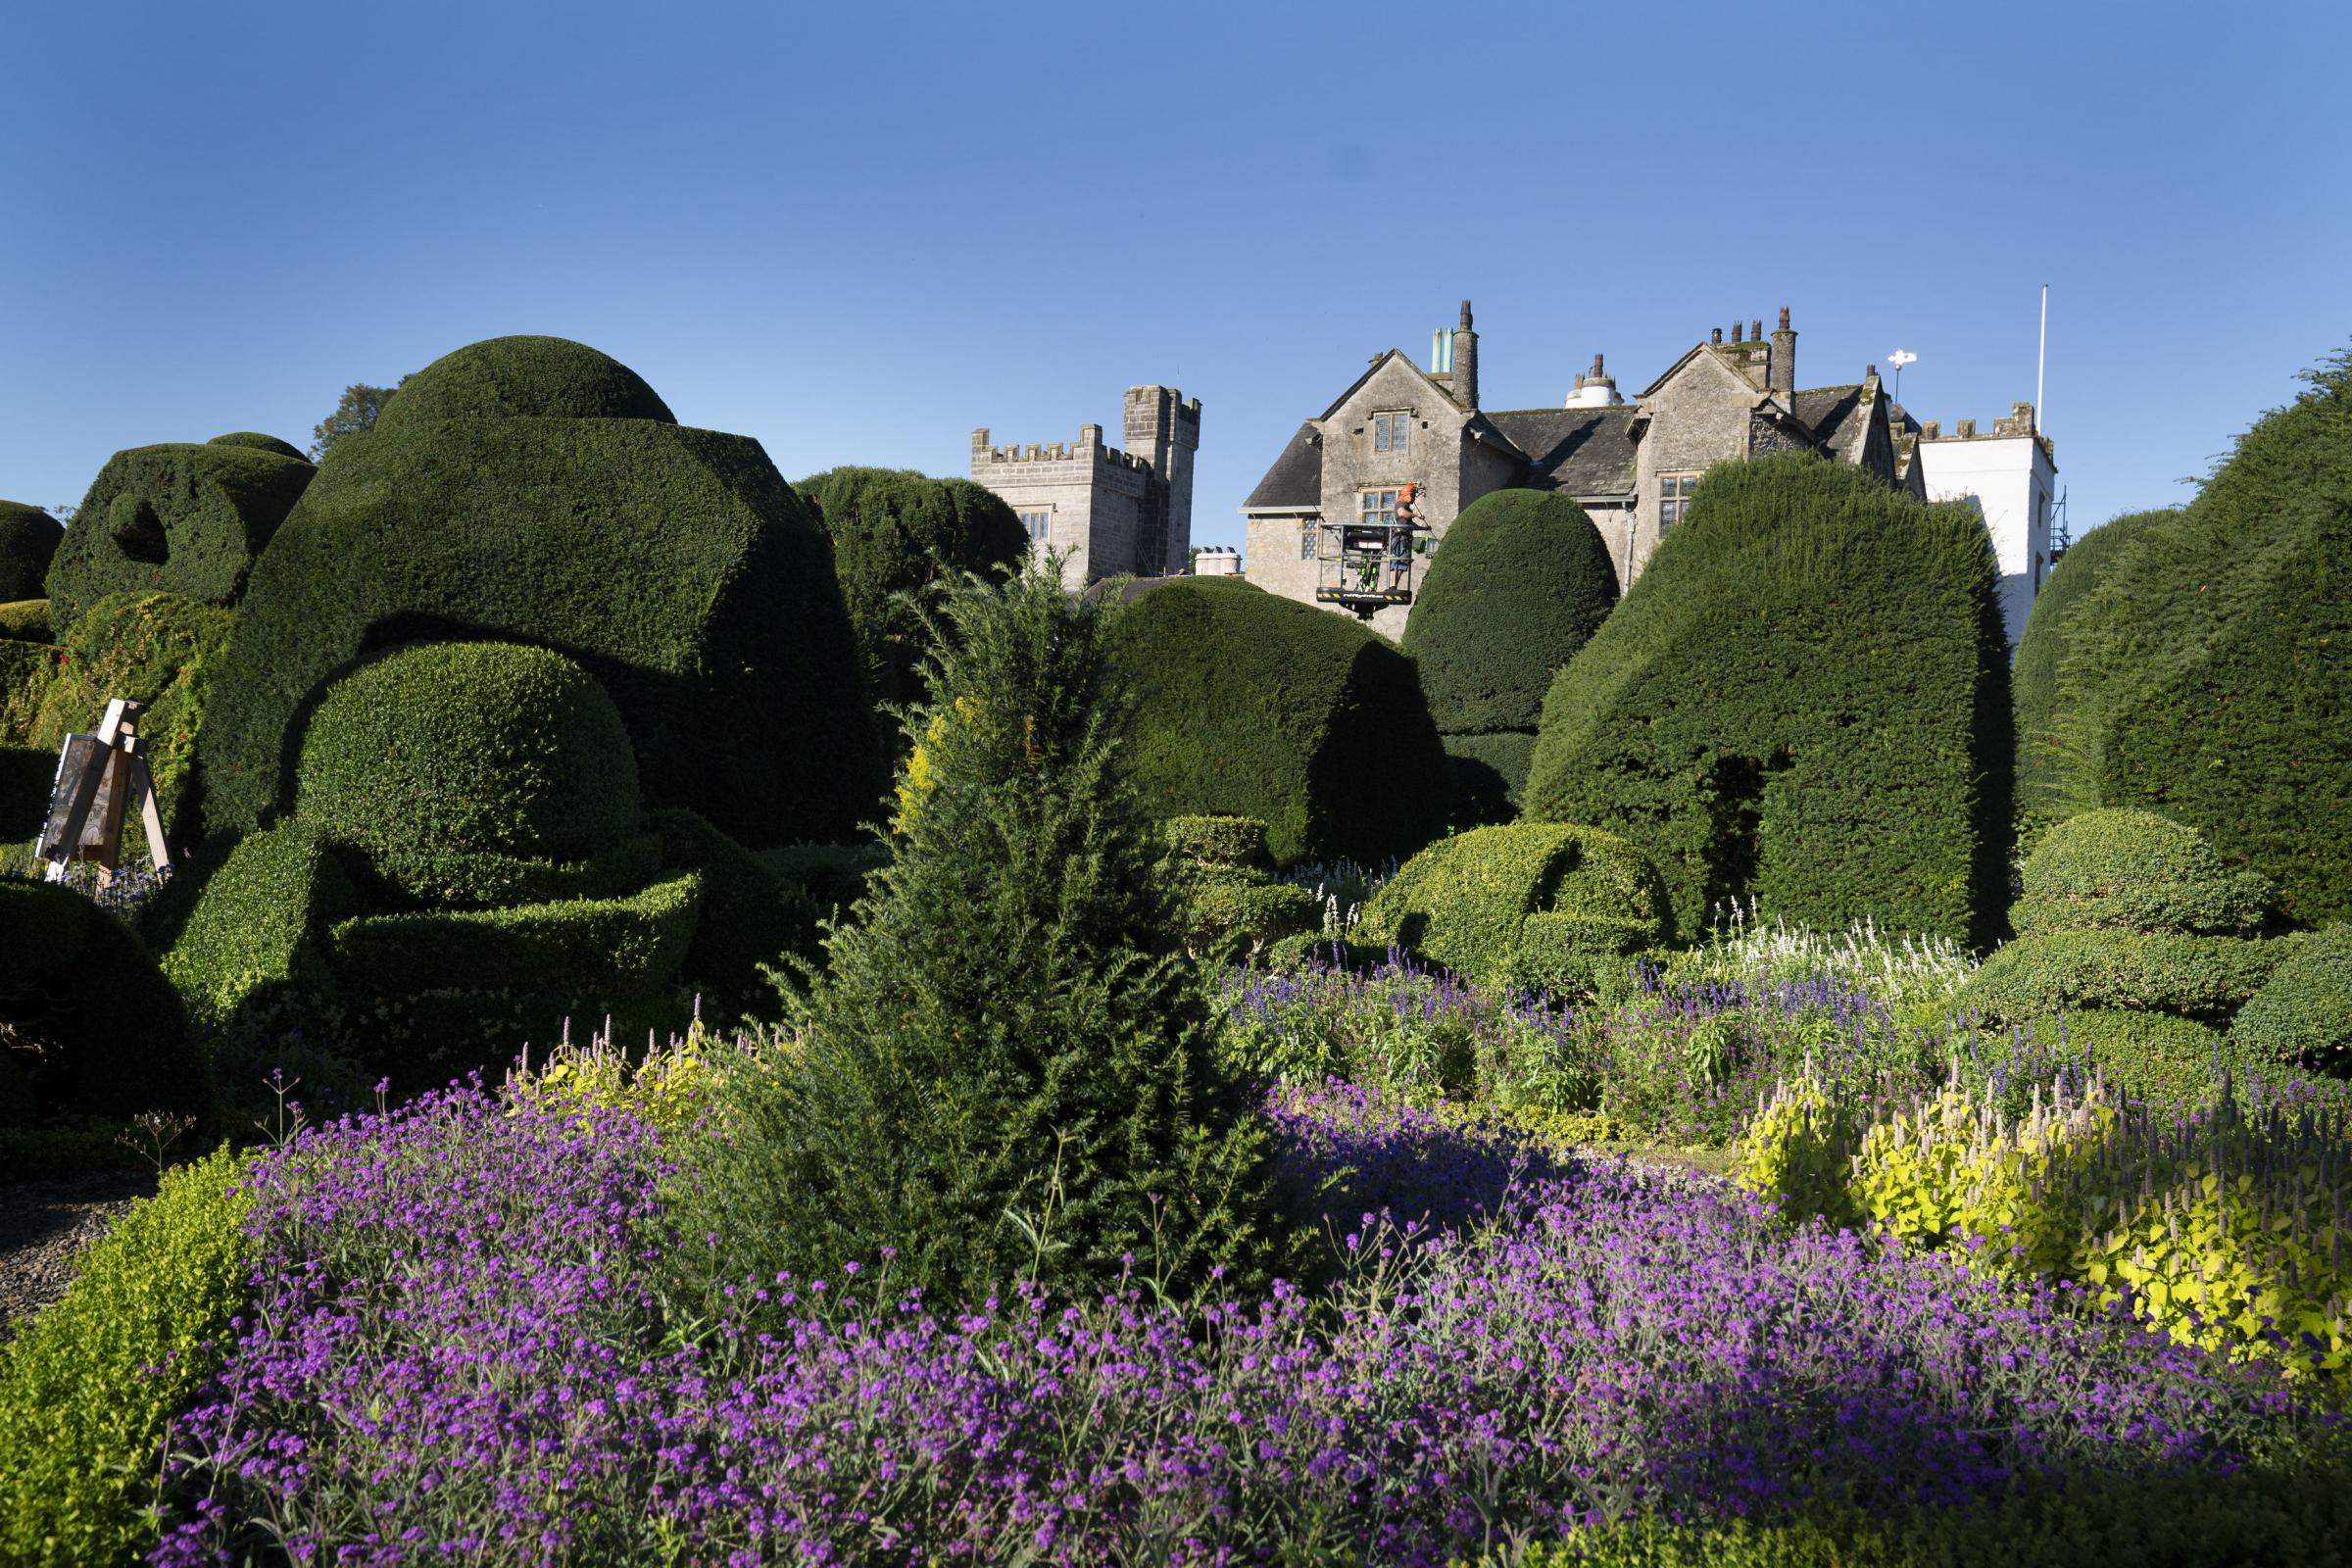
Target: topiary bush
(2174, 1064)
(1257, 705)
(2208, 672)
(26, 621)
(26, 670)
(1489, 774)
(532, 491)
(1523, 582)
(1225, 902)
(158, 650)
(29, 540)
(256, 441)
(85, 1011)
(473, 774)
(89, 1387)
(242, 934)
(996, 1076)
(2127, 871)
(177, 519)
(1468, 902)
(2043, 648)
(2194, 977)
(896, 531)
(751, 916)
(2303, 1014)
(1802, 700)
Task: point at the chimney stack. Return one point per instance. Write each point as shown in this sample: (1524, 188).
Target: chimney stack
(1717, 337)
(1465, 361)
(1734, 332)
(1780, 373)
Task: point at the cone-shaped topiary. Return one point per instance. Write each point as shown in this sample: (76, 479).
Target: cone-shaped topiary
(2209, 669)
(1803, 699)
(29, 539)
(1256, 705)
(179, 519)
(1523, 581)
(894, 529)
(997, 1078)
(498, 498)
(472, 773)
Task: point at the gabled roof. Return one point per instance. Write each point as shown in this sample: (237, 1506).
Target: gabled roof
(1723, 363)
(1373, 370)
(1296, 481)
(1838, 417)
(1579, 452)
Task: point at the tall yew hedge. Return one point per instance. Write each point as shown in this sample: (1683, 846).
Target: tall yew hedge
(1804, 699)
(1256, 705)
(2208, 673)
(533, 490)
(1524, 579)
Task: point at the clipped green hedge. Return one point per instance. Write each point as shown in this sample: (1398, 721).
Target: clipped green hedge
(26, 671)
(673, 564)
(1568, 954)
(179, 519)
(241, 936)
(89, 1387)
(1257, 705)
(1489, 774)
(2303, 1014)
(256, 441)
(522, 377)
(2128, 870)
(29, 540)
(1524, 580)
(1803, 699)
(83, 1005)
(751, 916)
(2172, 1063)
(158, 650)
(2200, 977)
(26, 621)
(894, 531)
(2043, 648)
(583, 947)
(2208, 674)
(1466, 901)
(1224, 841)
(472, 774)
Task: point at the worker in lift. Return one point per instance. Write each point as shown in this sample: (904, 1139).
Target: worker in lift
(1401, 537)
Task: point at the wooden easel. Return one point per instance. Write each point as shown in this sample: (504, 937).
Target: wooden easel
(96, 777)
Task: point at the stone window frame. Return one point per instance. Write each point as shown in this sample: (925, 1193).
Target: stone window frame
(1393, 430)
(1043, 532)
(1674, 491)
(1377, 514)
(1309, 537)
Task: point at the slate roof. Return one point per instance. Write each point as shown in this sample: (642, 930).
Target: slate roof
(1838, 417)
(1296, 481)
(1580, 452)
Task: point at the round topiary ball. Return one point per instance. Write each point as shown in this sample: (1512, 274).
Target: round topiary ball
(259, 443)
(522, 377)
(28, 537)
(2132, 871)
(464, 772)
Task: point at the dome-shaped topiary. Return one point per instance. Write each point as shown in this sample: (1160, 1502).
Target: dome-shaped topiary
(177, 519)
(28, 538)
(1804, 699)
(259, 442)
(1524, 579)
(469, 773)
(1256, 705)
(2304, 1014)
(672, 563)
(521, 377)
(2129, 870)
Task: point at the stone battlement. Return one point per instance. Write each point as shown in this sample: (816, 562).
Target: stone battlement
(2018, 424)
(1088, 447)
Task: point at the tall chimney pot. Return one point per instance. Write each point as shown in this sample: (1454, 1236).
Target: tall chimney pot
(1465, 361)
(1780, 370)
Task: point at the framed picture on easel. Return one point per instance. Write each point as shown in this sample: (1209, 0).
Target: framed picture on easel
(99, 777)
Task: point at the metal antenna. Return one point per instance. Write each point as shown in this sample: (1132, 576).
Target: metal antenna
(2041, 358)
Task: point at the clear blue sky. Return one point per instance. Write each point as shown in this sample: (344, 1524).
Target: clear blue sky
(858, 231)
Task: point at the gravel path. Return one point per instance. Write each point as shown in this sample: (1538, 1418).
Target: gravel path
(42, 1226)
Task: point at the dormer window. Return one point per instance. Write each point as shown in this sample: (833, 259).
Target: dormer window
(1391, 431)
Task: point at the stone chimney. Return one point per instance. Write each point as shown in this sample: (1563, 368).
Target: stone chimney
(1779, 374)
(1596, 389)
(1734, 332)
(1465, 361)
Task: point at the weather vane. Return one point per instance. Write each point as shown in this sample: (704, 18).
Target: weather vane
(1898, 359)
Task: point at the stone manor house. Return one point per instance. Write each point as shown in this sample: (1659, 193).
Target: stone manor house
(1632, 465)
(1115, 510)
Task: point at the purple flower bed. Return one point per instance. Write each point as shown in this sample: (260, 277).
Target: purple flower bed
(468, 1341)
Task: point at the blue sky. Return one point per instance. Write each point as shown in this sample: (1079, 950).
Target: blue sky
(858, 231)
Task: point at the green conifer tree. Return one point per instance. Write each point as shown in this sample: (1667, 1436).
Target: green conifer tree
(1004, 1075)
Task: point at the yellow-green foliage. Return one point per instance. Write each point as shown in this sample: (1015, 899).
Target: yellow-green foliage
(86, 1389)
(2226, 1232)
(670, 1086)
